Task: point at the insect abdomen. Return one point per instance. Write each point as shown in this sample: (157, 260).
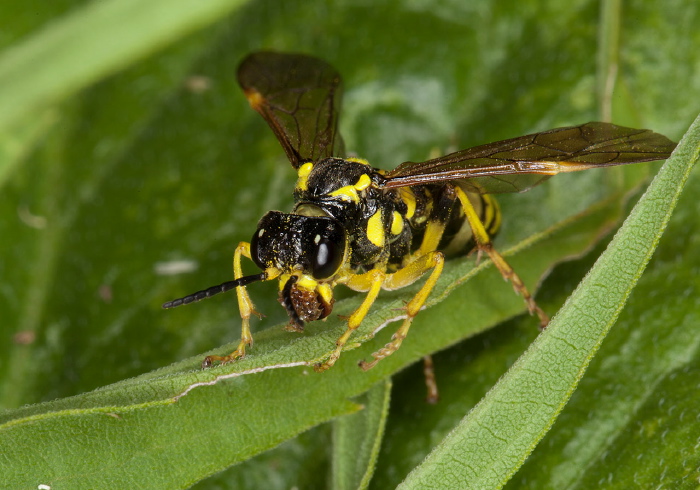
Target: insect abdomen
(432, 207)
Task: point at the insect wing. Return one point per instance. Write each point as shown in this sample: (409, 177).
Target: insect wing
(518, 164)
(299, 96)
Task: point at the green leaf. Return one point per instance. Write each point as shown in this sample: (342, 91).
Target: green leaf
(357, 438)
(186, 414)
(137, 167)
(94, 41)
(490, 444)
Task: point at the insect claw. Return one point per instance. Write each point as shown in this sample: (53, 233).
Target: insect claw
(479, 255)
(239, 353)
(378, 356)
(294, 327)
(367, 365)
(324, 366)
(544, 318)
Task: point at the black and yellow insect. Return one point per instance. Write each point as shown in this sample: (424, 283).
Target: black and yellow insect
(370, 229)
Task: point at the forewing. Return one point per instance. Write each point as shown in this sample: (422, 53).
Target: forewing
(518, 164)
(299, 96)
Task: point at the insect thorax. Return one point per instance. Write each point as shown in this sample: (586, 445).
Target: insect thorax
(383, 225)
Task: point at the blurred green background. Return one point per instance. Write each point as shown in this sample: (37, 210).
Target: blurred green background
(131, 166)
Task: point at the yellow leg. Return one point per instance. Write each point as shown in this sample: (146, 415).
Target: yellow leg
(484, 244)
(402, 278)
(246, 308)
(372, 283)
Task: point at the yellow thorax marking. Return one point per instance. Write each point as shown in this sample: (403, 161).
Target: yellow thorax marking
(350, 192)
(375, 229)
(303, 173)
(409, 198)
(358, 160)
(396, 224)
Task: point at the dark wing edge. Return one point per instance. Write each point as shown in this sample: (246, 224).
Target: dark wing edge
(514, 165)
(299, 97)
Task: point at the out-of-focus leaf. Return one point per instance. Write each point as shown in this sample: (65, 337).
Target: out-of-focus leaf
(137, 189)
(90, 43)
(357, 438)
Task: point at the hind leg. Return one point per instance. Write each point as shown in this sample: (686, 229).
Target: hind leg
(403, 277)
(485, 245)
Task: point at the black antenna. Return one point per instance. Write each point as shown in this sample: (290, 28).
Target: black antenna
(209, 292)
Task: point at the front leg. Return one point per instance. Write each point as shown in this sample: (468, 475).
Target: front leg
(246, 308)
(400, 279)
(372, 283)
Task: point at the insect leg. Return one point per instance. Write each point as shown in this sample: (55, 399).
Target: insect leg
(433, 395)
(484, 244)
(403, 277)
(417, 264)
(246, 308)
(371, 282)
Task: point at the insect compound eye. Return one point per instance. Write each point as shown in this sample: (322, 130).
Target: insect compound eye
(326, 246)
(271, 235)
(288, 242)
(326, 258)
(255, 247)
